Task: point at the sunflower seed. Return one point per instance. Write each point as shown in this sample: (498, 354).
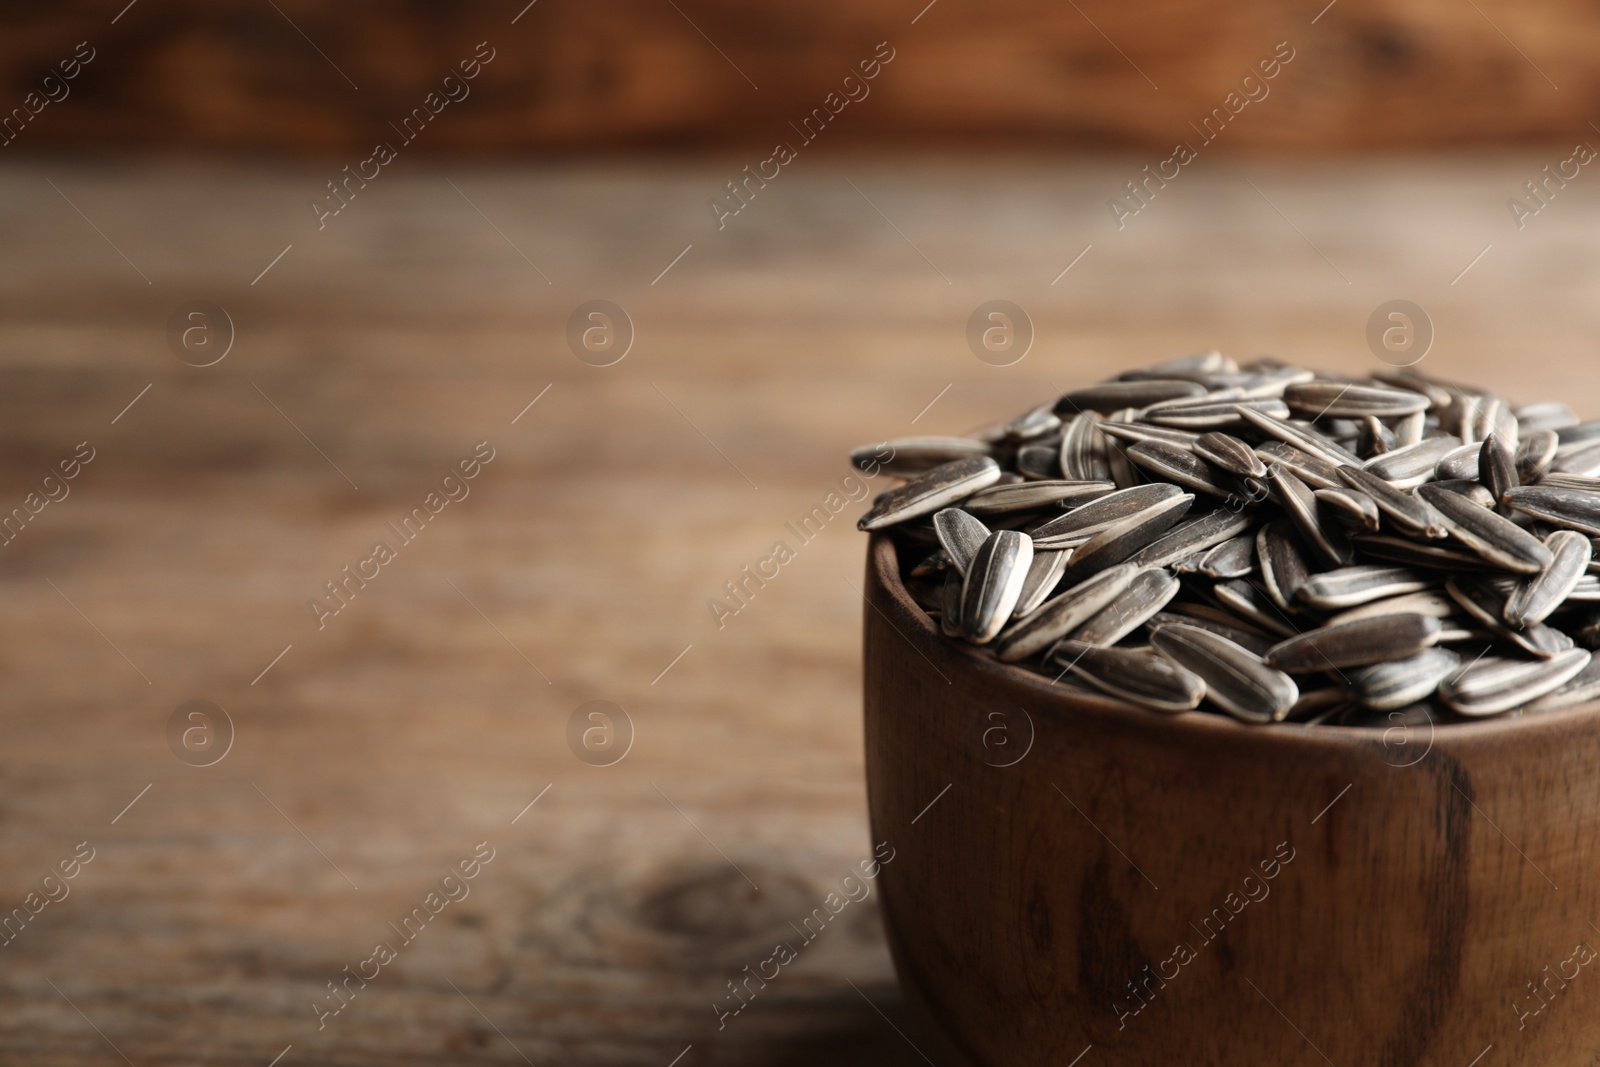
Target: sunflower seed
(1497, 470)
(1439, 397)
(1412, 554)
(1283, 565)
(1487, 605)
(1407, 468)
(927, 493)
(994, 582)
(1147, 594)
(1036, 422)
(1470, 488)
(1494, 684)
(1113, 396)
(1183, 467)
(1581, 687)
(1409, 430)
(1355, 508)
(1548, 416)
(1039, 463)
(1579, 432)
(1148, 679)
(1083, 449)
(1125, 538)
(1404, 510)
(1234, 558)
(1460, 464)
(1201, 363)
(1302, 437)
(1385, 686)
(934, 563)
(915, 455)
(1230, 454)
(1376, 438)
(1536, 597)
(1236, 680)
(1325, 538)
(1082, 523)
(1029, 496)
(1586, 591)
(1570, 508)
(1217, 621)
(1535, 453)
(1062, 614)
(1044, 573)
(1308, 468)
(1192, 536)
(1211, 412)
(1581, 459)
(1496, 539)
(1426, 602)
(1353, 400)
(1355, 644)
(1252, 605)
(1361, 584)
(1134, 432)
(950, 604)
(961, 536)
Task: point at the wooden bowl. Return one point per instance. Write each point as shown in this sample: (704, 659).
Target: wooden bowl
(1070, 873)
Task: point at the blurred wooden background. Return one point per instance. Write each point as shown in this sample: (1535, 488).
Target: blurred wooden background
(289, 75)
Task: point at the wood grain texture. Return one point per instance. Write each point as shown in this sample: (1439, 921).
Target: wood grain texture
(1134, 877)
(236, 75)
(410, 729)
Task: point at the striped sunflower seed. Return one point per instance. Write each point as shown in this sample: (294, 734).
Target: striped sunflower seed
(1360, 584)
(1353, 507)
(1355, 644)
(1407, 468)
(1192, 536)
(1252, 605)
(916, 455)
(1302, 437)
(1230, 454)
(1487, 605)
(1077, 526)
(1427, 602)
(960, 535)
(1459, 464)
(1539, 595)
(1437, 555)
(1403, 509)
(1548, 416)
(1134, 432)
(1497, 470)
(1496, 539)
(1326, 539)
(950, 604)
(1219, 622)
(1183, 467)
(1535, 452)
(1308, 468)
(1583, 459)
(1083, 449)
(1387, 686)
(1569, 507)
(1495, 684)
(1114, 396)
(1061, 614)
(928, 492)
(1044, 574)
(993, 584)
(1148, 679)
(1029, 496)
(1579, 432)
(1039, 463)
(1211, 412)
(1035, 422)
(1236, 680)
(1581, 687)
(1125, 538)
(1282, 559)
(1234, 558)
(1147, 594)
(1352, 400)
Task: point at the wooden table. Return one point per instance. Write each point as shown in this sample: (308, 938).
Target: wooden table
(371, 756)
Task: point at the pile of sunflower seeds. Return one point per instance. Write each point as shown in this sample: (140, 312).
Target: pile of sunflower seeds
(1268, 542)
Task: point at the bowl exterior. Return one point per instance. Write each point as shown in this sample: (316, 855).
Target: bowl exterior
(1073, 873)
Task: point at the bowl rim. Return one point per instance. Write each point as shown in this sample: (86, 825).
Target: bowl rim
(883, 571)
